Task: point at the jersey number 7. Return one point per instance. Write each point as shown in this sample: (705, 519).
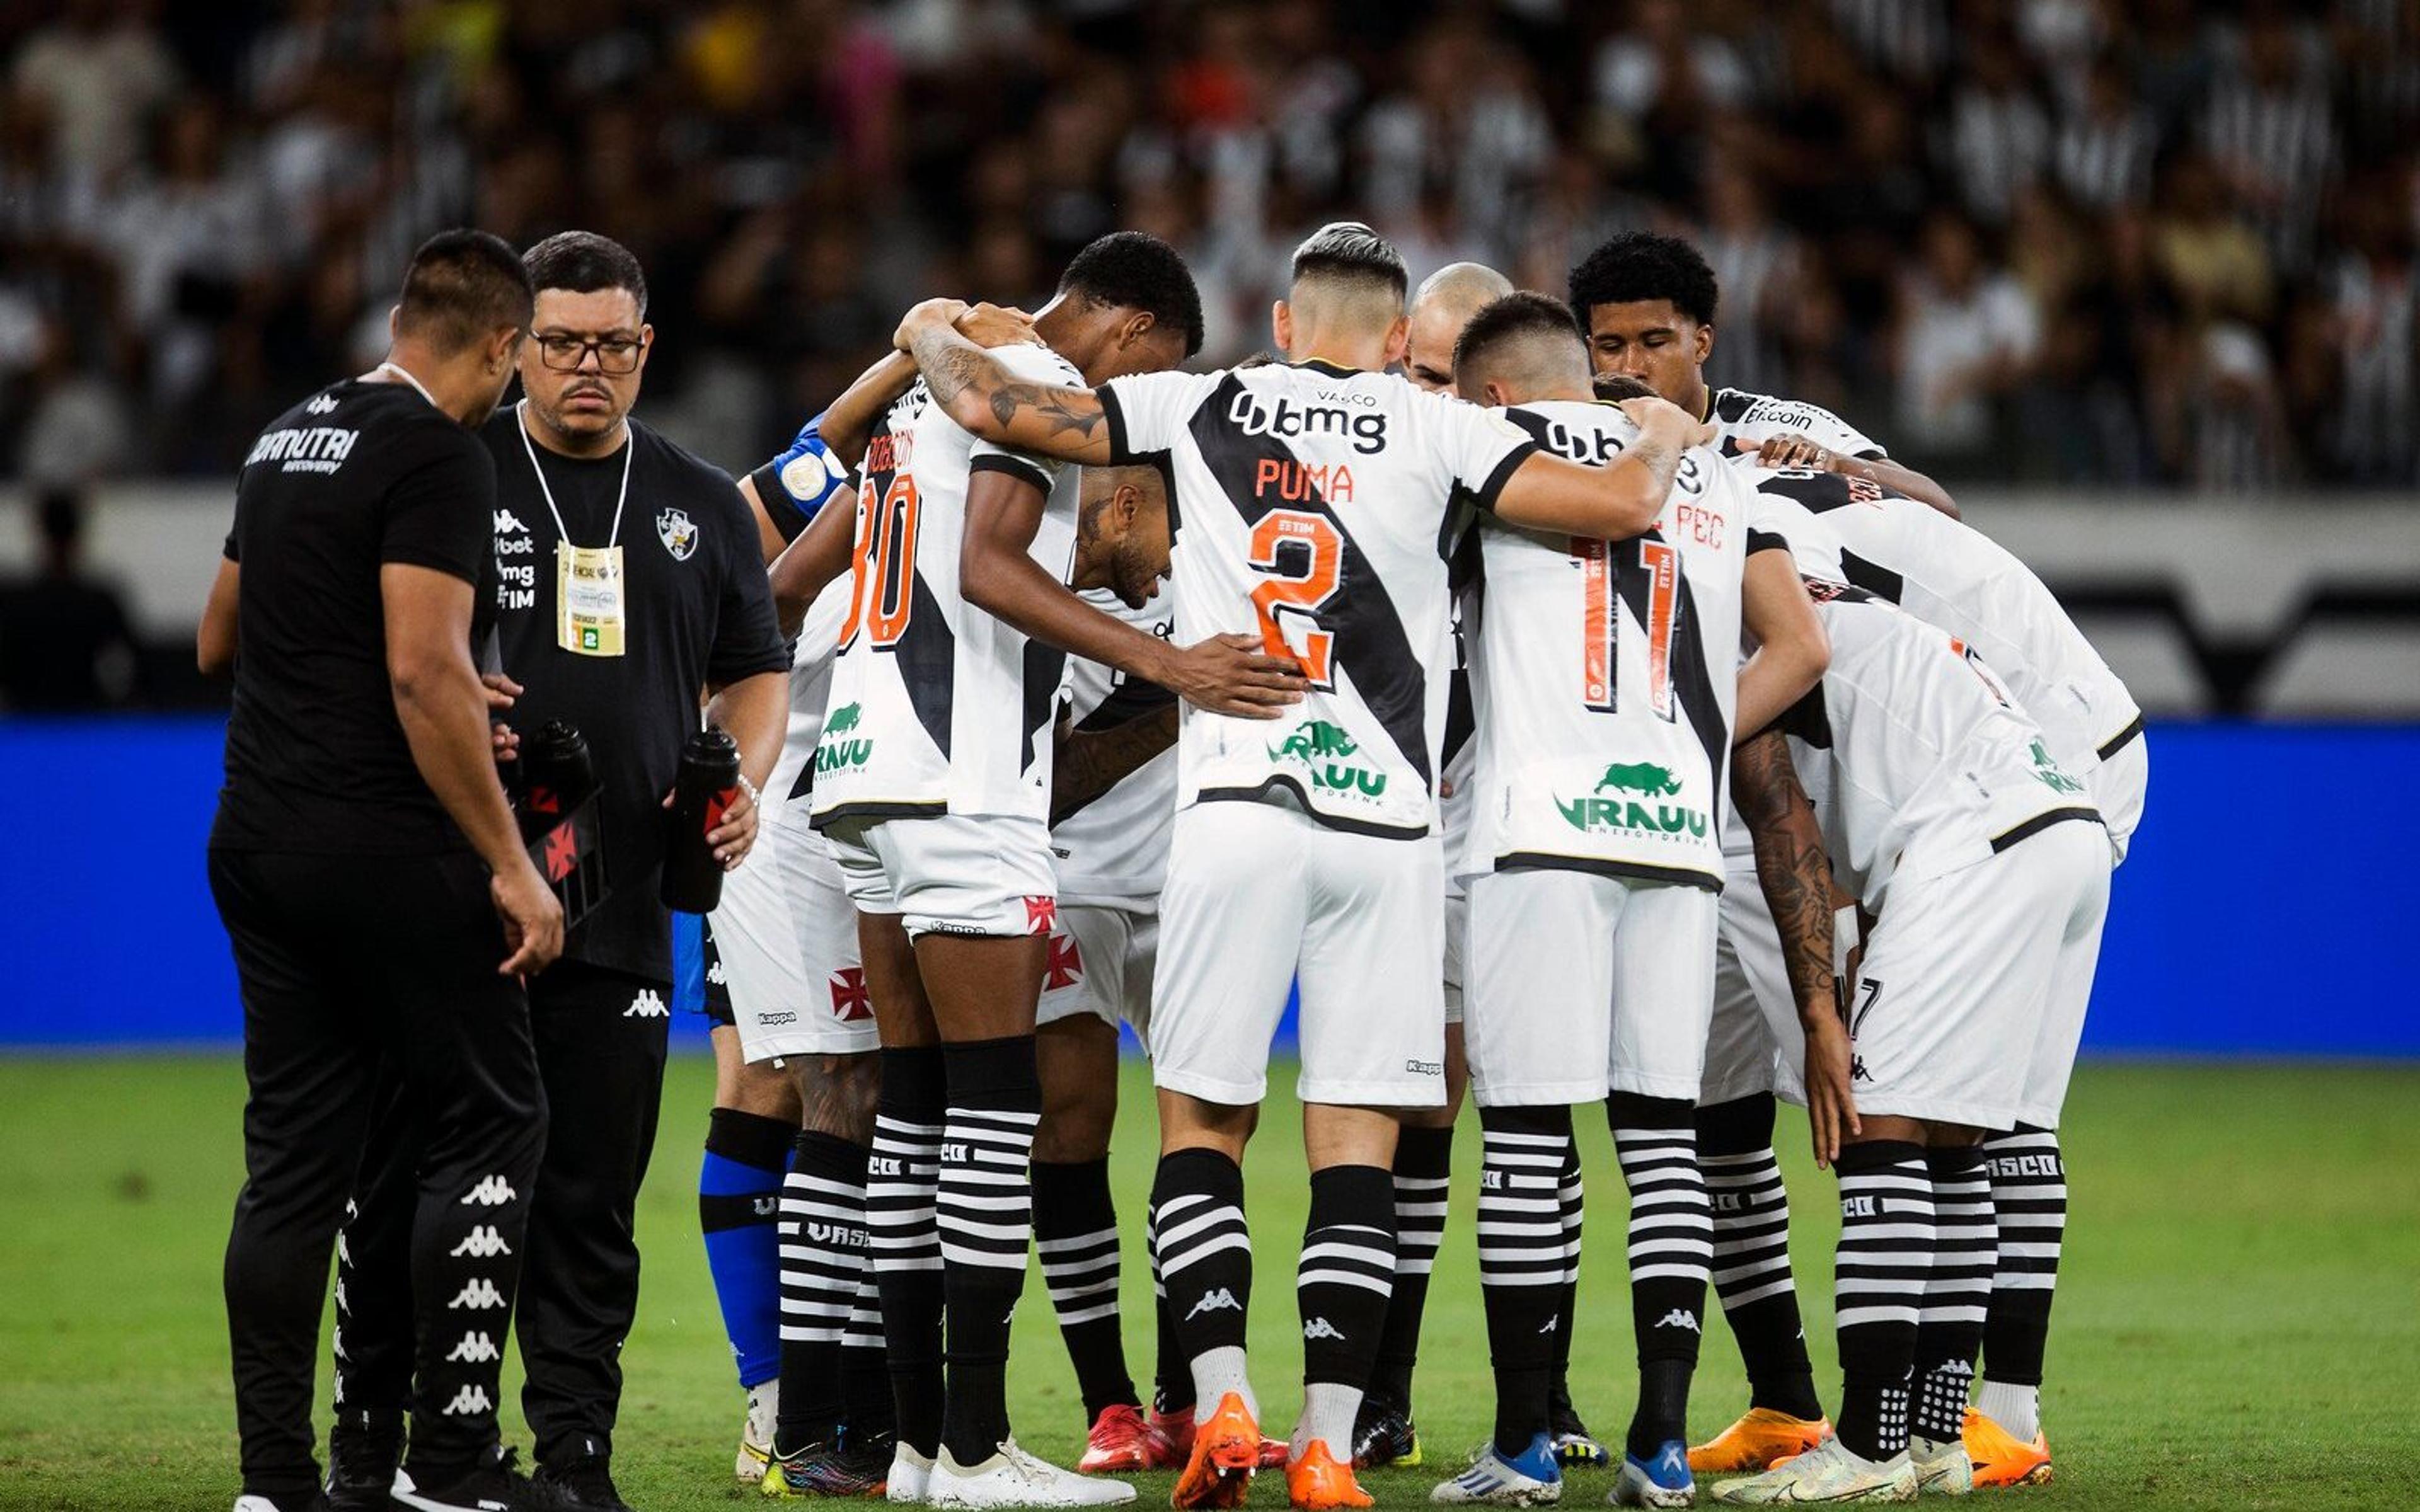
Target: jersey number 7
(1602, 566)
(1304, 557)
(882, 593)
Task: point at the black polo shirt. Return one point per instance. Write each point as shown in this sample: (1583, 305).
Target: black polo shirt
(356, 476)
(698, 611)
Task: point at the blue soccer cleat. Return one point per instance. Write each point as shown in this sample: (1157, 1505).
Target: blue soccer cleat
(1530, 1478)
(1661, 1481)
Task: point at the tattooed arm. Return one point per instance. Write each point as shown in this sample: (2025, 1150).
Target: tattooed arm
(1089, 762)
(1612, 502)
(1795, 876)
(981, 395)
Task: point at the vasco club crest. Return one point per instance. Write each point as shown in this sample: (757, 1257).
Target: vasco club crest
(673, 527)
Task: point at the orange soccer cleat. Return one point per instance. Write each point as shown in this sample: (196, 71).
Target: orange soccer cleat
(1316, 1482)
(1760, 1439)
(1226, 1452)
(2000, 1457)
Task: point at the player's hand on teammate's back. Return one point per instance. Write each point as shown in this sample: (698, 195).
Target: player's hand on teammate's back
(533, 920)
(997, 325)
(1230, 674)
(1653, 415)
(1831, 1106)
(946, 309)
(1792, 449)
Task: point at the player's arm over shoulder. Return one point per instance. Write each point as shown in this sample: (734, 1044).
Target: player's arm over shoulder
(983, 394)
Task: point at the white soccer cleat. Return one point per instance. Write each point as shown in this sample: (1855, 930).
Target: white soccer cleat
(1941, 1468)
(910, 1476)
(1827, 1472)
(756, 1433)
(1530, 1478)
(1013, 1478)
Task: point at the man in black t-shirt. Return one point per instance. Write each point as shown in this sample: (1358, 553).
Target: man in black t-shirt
(628, 582)
(372, 880)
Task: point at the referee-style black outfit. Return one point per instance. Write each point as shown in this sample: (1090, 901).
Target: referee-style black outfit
(699, 611)
(363, 931)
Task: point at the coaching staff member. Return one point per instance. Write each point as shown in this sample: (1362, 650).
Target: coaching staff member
(667, 598)
(370, 877)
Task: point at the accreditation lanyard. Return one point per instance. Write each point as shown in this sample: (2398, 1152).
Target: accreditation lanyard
(590, 618)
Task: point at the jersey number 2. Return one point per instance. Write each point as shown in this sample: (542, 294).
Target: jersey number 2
(1601, 569)
(1304, 557)
(886, 555)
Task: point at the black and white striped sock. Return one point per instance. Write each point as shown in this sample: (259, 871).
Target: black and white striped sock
(1751, 1275)
(1525, 1261)
(1672, 1248)
(2028, 1174)
(1075, 1233)
(1172, 1389)
(867, 1407)
(1957, 1294)
(1571, 1203)
(823, 1249)
(904, 1236)
(1341, 1286)
(1205, 1255)
(986, 1222)
(1880, 1270)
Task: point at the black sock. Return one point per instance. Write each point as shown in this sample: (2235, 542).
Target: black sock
(1672, 1248)
(1752, 1253)
(823, 1263)
(867, 1407)
(1522, 1263)
(1957, 1293)
(1075, 1232)
(1204, 1250)
(1172, 1387)
(1341, 1287)
(1423, 1176)
(987, 1219)
(1571, 1210)
(1879, 1274)
(901, 1193)
(2030, 1210)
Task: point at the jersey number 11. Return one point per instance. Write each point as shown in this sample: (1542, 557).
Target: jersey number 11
(1605, 570)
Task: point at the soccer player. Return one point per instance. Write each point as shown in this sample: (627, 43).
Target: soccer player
(1310, 498)
(1984, 862)
(1647, 303)
(373, 882)
(1604, 699)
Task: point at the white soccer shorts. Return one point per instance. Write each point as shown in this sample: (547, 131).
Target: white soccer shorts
(1100, 964)
(2119, 786)
(988, 874)
(1740, 1044)
(1458, 949)
(1970, 1000)
(788, 940)
(1583, 984)
(1259, 895)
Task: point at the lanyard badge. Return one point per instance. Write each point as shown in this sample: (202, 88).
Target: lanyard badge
(591, 603)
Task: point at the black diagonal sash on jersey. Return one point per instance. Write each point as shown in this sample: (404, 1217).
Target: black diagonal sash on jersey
(1693, 685)
(1367, 634)
(928, 662)
(1133, 698)
(1040, 669)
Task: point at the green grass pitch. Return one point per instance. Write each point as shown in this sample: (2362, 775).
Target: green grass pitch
(2238, 1326)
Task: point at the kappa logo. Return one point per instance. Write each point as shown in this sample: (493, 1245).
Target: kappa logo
(679, 536)
(475, 1349)
(1212, 1302)
(1552, 1324)
(1320, 1328)
(342, 1306)
(716, 975)
(1677, 1319)
(322, 405)
(482, 1243)
(491, 1191)
(469, 1399)
(478, 1296)
(508, 523)
(649, 1004)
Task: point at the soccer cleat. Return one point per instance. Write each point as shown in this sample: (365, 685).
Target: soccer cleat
(1662, 1481)
(1171, 1438)
(823, 1469)
(361, 1455)
(1533, 1477)
(910, 1476)
(1226, 1452)
(1575, 1447)
(585, 1484)
(1120, 1442)
(1760, 1439)
(317, 1502)
(1011, 1477)
(756, 1433)
(1827, 1472)
(1384, 1434)
(1316, 1482)
(1941, 1468)
(492, 1484)
(2000, 1457)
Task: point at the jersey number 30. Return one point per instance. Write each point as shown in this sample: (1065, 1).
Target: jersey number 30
(884, 591)
(1304, 557)
(1602, 569)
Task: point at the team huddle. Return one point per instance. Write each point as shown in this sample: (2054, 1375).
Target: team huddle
(1562, 730)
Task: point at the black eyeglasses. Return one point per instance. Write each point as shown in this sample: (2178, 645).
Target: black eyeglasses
(615, 355)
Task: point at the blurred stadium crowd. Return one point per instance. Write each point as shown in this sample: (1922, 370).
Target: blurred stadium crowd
(2127, 241)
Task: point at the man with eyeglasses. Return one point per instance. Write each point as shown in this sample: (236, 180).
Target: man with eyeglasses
(629, 582)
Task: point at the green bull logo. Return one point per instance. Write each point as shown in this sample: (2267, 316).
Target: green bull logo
(844, 720)
(2053, 776)
(836, 755)
(1643, 777)
(1318, 738)
(1320, 747)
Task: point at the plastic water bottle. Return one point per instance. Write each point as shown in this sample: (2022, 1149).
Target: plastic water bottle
(709, 784)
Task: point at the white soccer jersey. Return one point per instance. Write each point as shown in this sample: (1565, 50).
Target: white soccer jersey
(811, 676)
(1604, 674)
(1310, 505)
(1929, 763)
(1744, 420)
(938, 706)
(1113, 850)
(1953, 575)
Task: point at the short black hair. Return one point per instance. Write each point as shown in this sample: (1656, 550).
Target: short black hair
(582, 262)
(463, 285)
(1521, 313)
(1136, 271)
(1619, 386)
(1349, 250)
(1642, 265)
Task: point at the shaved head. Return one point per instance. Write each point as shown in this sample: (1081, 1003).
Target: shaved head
(1444, 305)
(1521, 348)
